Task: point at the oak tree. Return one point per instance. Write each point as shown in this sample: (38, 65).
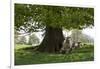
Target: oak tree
(52, 19)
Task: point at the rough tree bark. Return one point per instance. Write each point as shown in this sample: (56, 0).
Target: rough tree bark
(52, 41)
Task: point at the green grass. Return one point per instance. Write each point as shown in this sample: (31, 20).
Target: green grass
(25, 54)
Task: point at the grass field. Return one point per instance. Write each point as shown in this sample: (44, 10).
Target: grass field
(24, 55)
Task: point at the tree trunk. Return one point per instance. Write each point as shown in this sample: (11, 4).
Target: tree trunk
(52, 41)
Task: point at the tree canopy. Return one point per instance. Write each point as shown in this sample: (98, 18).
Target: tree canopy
(31, 18)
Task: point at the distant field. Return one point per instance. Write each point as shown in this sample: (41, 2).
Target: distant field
(24, 54)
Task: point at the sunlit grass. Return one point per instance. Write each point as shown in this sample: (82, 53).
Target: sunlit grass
(25, 54)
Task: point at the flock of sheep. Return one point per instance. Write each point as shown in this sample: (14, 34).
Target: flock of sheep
(69, 44)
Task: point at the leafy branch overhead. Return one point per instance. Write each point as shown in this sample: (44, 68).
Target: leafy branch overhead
(35, 17)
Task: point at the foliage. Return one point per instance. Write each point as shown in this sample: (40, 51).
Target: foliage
(26, 55)
(33, 39)
(31, 18)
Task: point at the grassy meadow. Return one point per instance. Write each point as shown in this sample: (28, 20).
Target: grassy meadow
(25, 54)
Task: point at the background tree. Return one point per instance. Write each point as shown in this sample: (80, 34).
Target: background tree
(33, 39)
(21, 40)
(87, 39)
(77, 35)
(16, 36)
(33, 18)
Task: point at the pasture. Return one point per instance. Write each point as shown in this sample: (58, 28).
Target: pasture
(26, 54)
